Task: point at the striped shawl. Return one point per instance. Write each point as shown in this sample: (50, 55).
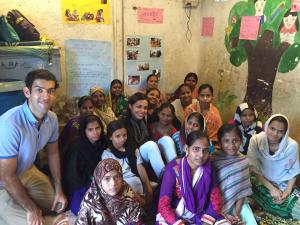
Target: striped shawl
(234, 178)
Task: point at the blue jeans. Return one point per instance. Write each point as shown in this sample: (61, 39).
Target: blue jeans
(151, 152)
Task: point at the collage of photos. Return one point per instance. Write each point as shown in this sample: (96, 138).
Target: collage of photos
(86, 16)
(89, 11)
(144, 57)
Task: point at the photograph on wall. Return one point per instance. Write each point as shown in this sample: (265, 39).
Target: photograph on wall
(155, 42)
(156, 53)
(143, 56)
(133, 42)
(143, 66)
(132, 54)
(156, 72)
(86, 11)
(133, 80)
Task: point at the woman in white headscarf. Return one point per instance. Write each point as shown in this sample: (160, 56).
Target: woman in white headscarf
(274, 161)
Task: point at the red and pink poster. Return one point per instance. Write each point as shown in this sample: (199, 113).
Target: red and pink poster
(150, 15)
(249, 27)
(208, 26)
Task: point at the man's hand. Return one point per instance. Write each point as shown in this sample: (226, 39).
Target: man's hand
(60, 202)
(35, 217)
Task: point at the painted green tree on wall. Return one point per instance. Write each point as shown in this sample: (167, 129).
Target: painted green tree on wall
(277, 47)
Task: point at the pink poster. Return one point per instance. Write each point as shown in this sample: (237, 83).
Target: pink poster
(208, 26)
(150, 15)
(249, 27)
(295, 6)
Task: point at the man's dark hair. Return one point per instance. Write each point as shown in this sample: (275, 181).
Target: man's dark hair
(40, 74)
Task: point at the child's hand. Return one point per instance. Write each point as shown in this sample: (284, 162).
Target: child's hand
(284, 195)
(232, 219)
(276, 195)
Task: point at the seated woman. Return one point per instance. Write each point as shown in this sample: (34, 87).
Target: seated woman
(246, 119)
(274, 161)
(82, 158)
(102, 109)
(165, 125)
(153, 95)
(117, 100)
(194, 122)
(134, 172)
(209, 111)
(139, 138)
(189, 192)
(152, 82)
(70, 131)
(232, 169)
(192, 80)
(109, 200)
(184, 93)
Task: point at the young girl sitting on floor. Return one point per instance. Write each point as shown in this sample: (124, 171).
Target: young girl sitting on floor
(189, 192)
(209, 111)
(184, 94)
(117, 100)
(164, 126)
(138, 136)
(192, 80)
(70, 131)
(153, 95)
(109, 200)
(152, 81)
(131, 162)
(82, 158)
(194, 122)
(232, 169)
(274, 161)
(246, 119)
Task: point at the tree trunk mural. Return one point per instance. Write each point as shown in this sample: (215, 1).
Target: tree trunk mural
(277, 47)
(263, 62)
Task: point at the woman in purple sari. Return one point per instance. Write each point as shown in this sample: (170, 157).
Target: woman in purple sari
(189, 193)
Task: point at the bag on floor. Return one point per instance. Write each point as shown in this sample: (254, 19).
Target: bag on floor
(22, 26)
(7, 32)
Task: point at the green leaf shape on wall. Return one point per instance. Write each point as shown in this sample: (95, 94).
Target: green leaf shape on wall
(289, 59)
(238, 56)
(224, 99)
(247, 8)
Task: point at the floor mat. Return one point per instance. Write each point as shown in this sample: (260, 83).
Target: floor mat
(269, 219)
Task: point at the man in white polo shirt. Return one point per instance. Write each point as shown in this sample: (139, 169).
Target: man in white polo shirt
(26, 194)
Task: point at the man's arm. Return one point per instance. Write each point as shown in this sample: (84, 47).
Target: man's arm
(17, 191)
(60, 201)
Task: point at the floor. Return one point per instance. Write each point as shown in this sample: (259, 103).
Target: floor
(268, 219)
